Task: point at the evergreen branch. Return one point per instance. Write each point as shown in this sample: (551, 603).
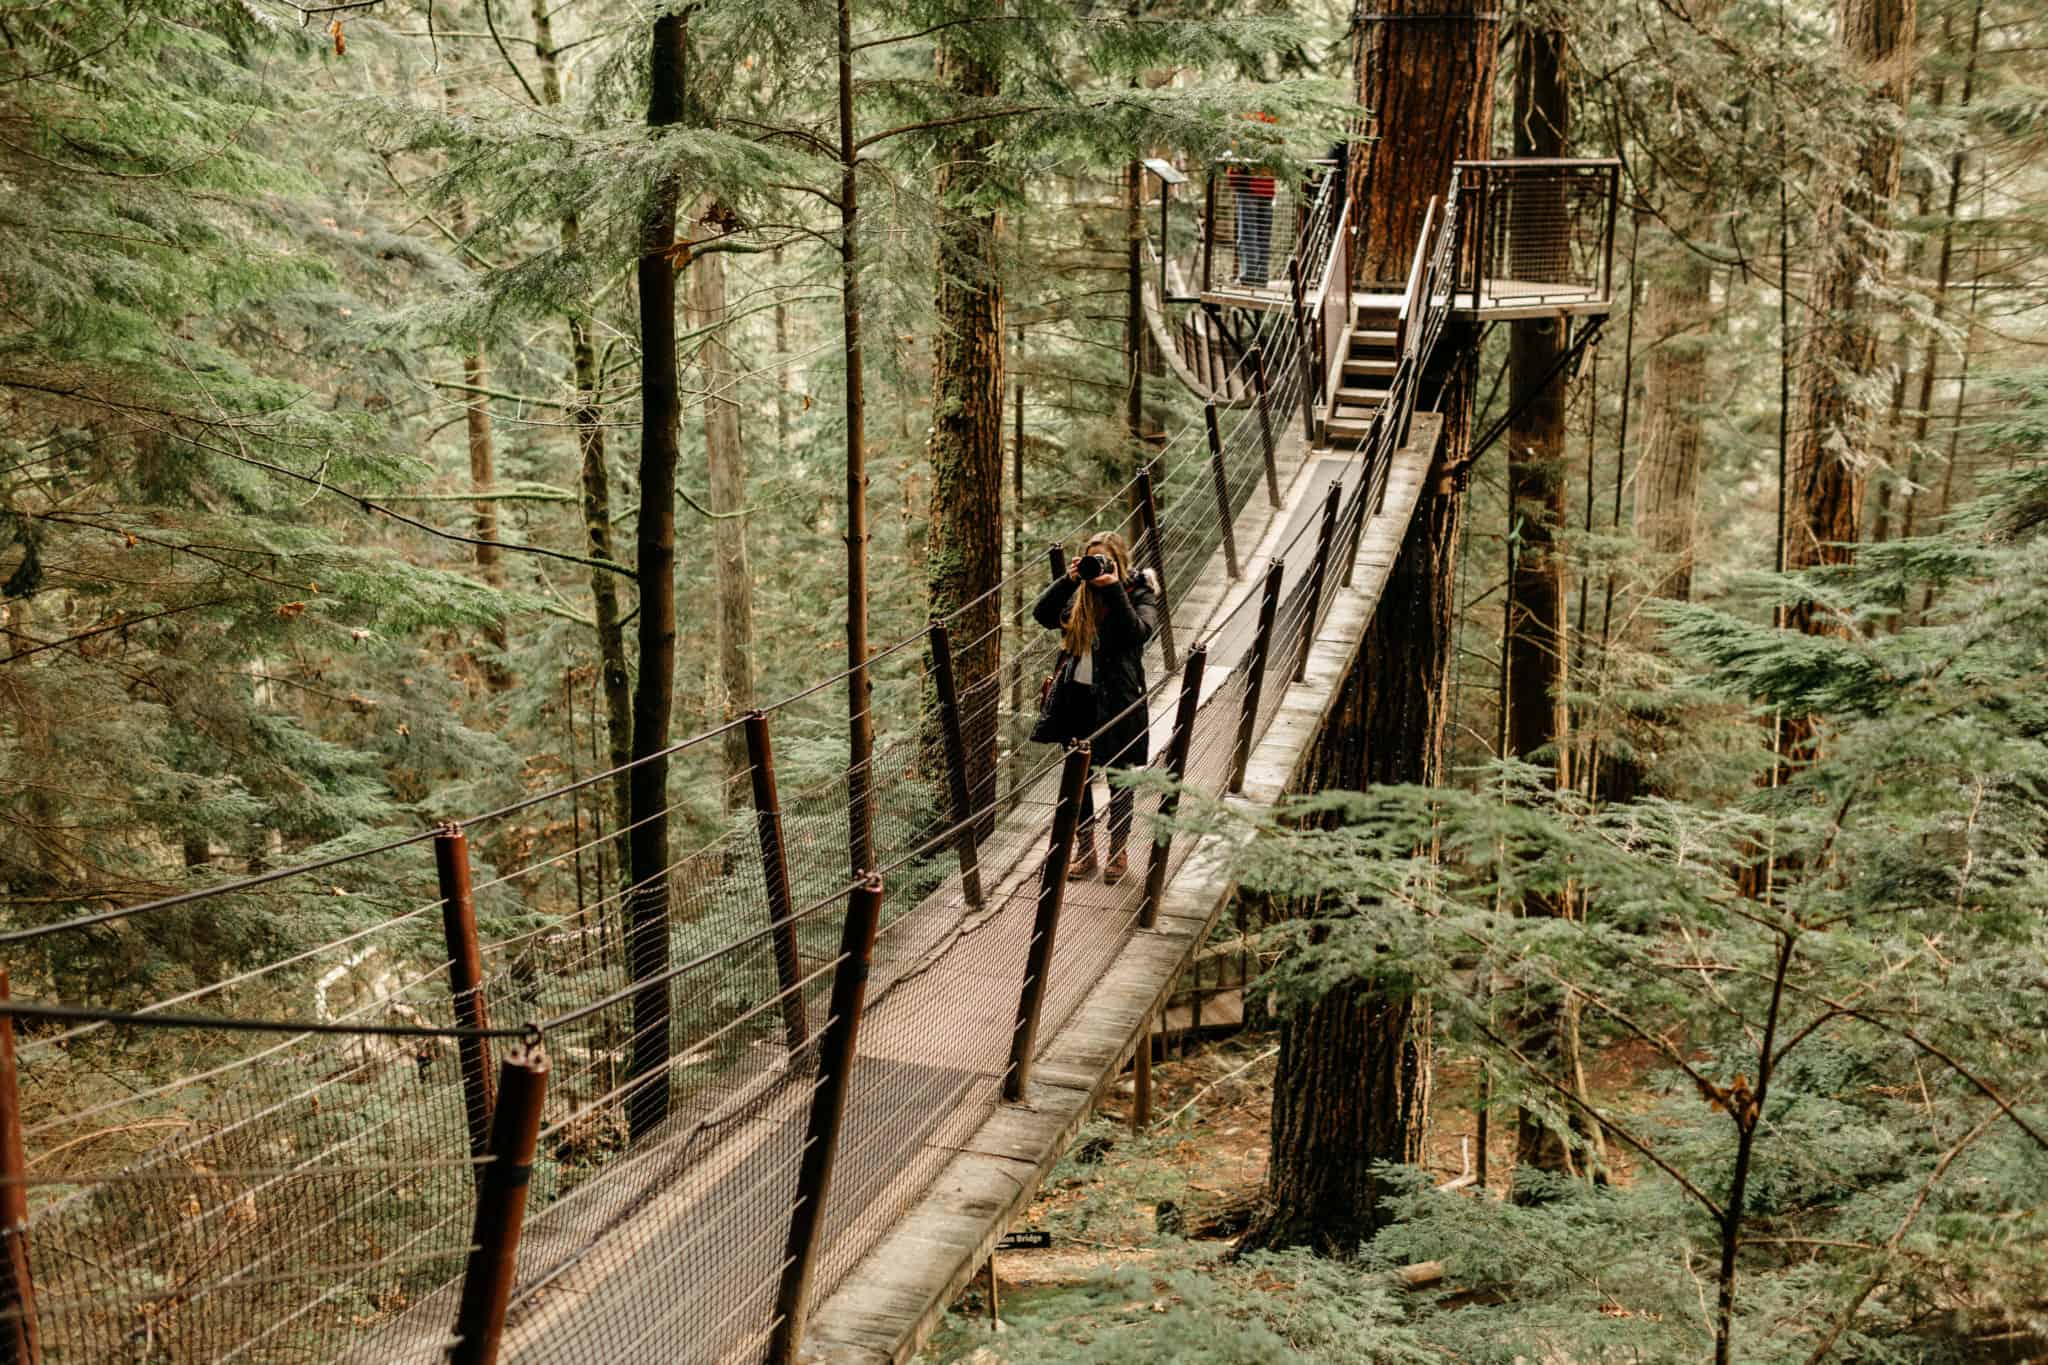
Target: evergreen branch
(537, 494)
(951, 121)
(1705, 1200)
(42, 645)
(491, 23)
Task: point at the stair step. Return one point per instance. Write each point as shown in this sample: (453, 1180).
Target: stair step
(1358, 393)
(1364, 367)
(1346, 428)
(1381, 337)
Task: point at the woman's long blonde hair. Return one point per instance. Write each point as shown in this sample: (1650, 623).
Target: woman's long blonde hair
(1078, 635)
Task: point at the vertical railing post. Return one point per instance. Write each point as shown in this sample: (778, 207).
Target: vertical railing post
(1255, 681)
(1141, 1079)
(1177, 769)
(828, 1111)
(1319, 575)
(1155, 551)
(1052, 889)
(487, 1281)
(1266, 442)
(1607, 247)
(465, 979)
(1209, 229)
(789, 968)
(956, 763)
(21, 1339)
(1218, 476)
(1310, 381)
(1366, 496)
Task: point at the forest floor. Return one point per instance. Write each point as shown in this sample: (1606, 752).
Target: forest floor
(1176, 1197)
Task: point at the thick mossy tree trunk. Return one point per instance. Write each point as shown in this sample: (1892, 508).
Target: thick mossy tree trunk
(1835, 427)
(964, 548)
(1354, 1068)
(654, 693)
(732, 581)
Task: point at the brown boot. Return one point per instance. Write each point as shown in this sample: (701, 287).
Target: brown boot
(1081, 865)
(1113, 870)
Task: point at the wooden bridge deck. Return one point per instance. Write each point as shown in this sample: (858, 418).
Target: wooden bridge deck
(886, 1307)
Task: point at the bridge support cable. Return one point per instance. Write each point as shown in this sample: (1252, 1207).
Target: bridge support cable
(500, 1207)
(965, 833)
(21, 1340)
(465, 980)
(775, 877)
(1052, 888)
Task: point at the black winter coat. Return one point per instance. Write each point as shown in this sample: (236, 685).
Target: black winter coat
(1126, 615)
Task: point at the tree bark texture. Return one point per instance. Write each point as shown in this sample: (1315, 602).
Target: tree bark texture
(1834, 430)
(1537, 715)
(1426, 74)
(1674, 405)
(654, 694)
(732, 582)
(964, 547)
(1354, 1068)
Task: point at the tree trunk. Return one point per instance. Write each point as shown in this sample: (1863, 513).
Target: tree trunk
(1538, 721)
(587, 414)
(860, 723)
(732, 582)
(1674, 399)
(1354, 1068)
(1835, 430)
(654, 695)
(963, 561)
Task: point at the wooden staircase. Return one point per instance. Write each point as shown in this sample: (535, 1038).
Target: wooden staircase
(1370, 356)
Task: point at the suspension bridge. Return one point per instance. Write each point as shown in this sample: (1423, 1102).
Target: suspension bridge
(434, 1135)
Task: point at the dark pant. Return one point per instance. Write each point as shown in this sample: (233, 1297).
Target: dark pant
(1124, 745)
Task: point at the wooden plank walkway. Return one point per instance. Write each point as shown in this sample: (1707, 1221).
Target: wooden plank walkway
(886, 1307)
(932, 1165)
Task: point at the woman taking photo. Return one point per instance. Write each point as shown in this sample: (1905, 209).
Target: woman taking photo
(1105, 614)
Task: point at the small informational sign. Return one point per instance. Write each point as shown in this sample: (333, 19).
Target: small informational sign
(1030, 1239)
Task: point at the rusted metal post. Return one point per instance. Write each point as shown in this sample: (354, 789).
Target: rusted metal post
(1141, 1079)
(1266, 441)
(1368, 496)
(1155, 551)
(1319, 576)
(1052, 888)
(21, 1338)
(1218, 477)
(789, 966)
(1311, 383)
(1255, 681)
(487, 1282)
(465, 979)
(1176, 768)
(828, 1111)
(956, 764)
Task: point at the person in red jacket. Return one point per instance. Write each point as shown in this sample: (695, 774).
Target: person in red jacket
(1253, 189)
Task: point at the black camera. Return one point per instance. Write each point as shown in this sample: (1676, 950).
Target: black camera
(1092, 567)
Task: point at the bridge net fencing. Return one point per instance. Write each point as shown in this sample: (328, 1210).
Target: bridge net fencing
(206, 1191)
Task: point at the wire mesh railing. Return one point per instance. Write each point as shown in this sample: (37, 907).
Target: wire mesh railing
(1541, 231)
(480, 1092)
